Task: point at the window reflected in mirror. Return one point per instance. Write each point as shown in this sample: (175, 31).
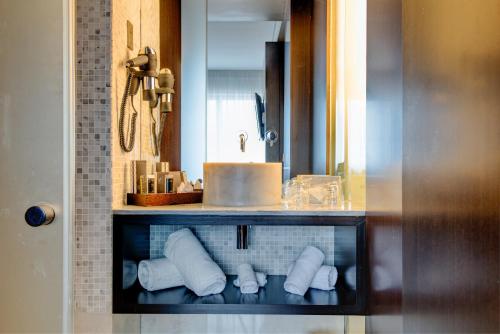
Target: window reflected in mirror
(238, 113)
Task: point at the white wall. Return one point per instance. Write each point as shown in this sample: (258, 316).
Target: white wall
(194, 90)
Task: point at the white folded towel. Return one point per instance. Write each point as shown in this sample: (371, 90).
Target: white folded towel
(261, 279)
(325, 278)
(201, 274)
(129, 273)
(303, 272)
(159, 274)
(247, 279)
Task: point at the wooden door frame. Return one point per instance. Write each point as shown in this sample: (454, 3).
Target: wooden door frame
(170, 57)
(275, 98)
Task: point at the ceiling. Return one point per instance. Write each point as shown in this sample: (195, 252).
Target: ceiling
(248, 10)
(239, 45)
(238, 30)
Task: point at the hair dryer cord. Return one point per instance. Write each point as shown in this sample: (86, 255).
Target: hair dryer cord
(121, 122)
(154, 136)
(163, 119)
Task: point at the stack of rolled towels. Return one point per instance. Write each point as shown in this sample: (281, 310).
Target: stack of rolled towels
(308, 271)
(186, 263)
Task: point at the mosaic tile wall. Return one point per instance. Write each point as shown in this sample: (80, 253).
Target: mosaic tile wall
(100, 164)
(92, 231)
(271, 248)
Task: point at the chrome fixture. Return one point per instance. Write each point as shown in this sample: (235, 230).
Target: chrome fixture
(242, 237)
(243, 136)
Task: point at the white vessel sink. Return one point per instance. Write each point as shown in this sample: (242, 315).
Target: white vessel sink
(241, 184)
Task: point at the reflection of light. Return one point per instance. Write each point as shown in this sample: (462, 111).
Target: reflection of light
(349, 76)
(356, 135)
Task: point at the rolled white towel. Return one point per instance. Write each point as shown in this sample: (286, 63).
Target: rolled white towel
(303, 272)
(201, 274)
(158, 274)
(261, 279)
(249, 298)
(322, 297)
(325, 278)
(248, 279)
(350, 277)
(129, 273)
(212, 299)
(294, 299)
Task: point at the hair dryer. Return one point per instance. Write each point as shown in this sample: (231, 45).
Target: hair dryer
(147, 63)
(142, 69)
(165, 93)
(166, 90)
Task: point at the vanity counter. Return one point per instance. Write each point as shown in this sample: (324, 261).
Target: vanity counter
(201, 210)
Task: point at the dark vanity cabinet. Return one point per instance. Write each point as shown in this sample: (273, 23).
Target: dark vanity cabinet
(134, 234)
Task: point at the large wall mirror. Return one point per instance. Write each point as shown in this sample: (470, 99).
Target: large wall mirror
(251, 71)
(245, 51)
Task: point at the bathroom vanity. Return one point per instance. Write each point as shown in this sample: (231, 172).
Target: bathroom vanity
(269, 238)
(275, 237)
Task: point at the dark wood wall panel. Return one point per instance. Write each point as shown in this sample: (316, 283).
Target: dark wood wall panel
(170, 57)
(451, 178)
(275, 97)
(301, 55)
(384, 165)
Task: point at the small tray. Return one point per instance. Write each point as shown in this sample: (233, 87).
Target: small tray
(165, 199)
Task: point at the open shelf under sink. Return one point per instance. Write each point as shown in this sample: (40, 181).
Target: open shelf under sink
(271, 299)
(132, 241)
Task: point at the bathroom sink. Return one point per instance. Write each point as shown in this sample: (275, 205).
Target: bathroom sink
(241, 184)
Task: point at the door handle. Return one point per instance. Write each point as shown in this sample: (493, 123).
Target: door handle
(39, 215)
(272, 137)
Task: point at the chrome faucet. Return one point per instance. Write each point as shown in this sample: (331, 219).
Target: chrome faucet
(243, 140)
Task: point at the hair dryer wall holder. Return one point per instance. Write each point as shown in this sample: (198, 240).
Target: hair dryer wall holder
(157, 89)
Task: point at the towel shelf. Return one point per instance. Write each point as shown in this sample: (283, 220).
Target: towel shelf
(270, 299)
(131, 240)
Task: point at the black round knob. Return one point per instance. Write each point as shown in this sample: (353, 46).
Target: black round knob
(39, 215)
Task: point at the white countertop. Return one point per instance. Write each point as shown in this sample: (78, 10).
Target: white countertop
(200, 209)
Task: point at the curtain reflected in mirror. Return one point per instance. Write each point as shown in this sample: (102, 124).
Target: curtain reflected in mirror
(232, 112)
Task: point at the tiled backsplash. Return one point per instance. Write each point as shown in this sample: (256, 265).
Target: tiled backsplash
(271, 248)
